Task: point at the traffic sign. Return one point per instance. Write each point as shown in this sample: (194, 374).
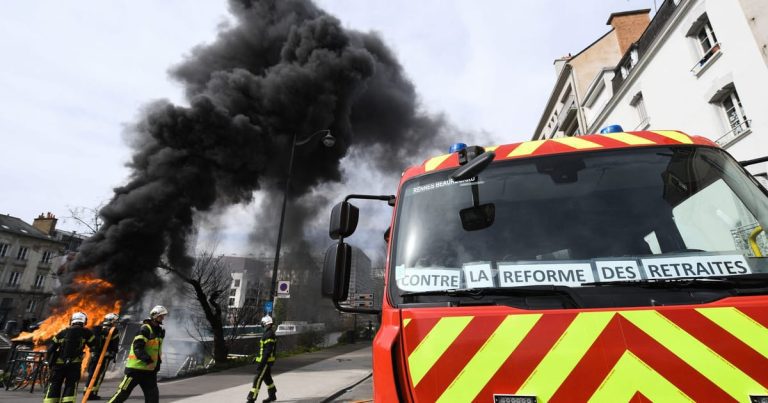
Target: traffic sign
(283, 287)
(268, 306)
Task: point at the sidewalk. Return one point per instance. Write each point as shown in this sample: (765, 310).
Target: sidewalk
(309, 377)
(311, 383)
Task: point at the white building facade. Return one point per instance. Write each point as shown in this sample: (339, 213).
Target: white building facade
(700, 67)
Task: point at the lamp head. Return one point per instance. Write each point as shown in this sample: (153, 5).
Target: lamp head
(329, 140)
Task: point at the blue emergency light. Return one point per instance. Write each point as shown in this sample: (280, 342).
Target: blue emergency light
(456, 147)
(611, 129)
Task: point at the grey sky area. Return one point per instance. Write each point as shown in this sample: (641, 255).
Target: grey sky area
(75, 73)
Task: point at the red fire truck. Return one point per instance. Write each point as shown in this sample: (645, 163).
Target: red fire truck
(625, 266)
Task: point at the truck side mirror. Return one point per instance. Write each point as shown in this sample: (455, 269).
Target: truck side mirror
(343, 220)
(336, 270)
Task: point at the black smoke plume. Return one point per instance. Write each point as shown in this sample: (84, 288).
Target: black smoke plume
(284, 67)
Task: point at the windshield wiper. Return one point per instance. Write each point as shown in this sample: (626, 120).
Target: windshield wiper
(566, 293)
(756, 280)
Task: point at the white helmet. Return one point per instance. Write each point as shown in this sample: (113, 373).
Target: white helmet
(111, 318)
(266, 320)
(157, 311)
(78, 318)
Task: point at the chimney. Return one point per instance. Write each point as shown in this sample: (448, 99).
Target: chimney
(629, 25)
(45, 223)
(560, 63)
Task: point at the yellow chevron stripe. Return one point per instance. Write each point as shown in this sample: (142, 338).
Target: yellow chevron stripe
(741, 326)
(629, 138)
(679, 137)
(577, 142)
(526, 148)
(565, 354)
(433, 163)
(630, 370)
(491, 148)
(481, 368)
(406, 321)
(696, 354)
(426, 354)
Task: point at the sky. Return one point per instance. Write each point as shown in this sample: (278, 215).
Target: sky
(74, 74)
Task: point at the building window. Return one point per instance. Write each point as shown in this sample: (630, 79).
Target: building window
(39, 281)
(639, 104)
(734, 112)
(231, 302)
(706, 43)
(706, 37)
(14, 278)
(22, 255)
(4, 249)
(237, 283)
(47, 255)
(31, 305)
(232, 292)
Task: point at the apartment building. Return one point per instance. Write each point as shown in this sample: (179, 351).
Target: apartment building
(700, 67)
(28, 259)
(564, 114)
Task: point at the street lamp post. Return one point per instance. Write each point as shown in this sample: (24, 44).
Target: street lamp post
(328, 141)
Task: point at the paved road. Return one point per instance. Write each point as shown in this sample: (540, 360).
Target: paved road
(360, 393)
(308, 377)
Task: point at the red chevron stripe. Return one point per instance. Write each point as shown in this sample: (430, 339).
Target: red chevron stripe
(528, 354)
(758, 314)
(596, 364)
(456, 357)
(600, 359)
(723, 343)
(640, 398)
(417, 330)
(657, 138)
(671, 367)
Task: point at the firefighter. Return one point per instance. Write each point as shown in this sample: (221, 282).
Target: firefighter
(265, 359)
(102, 332)
(65, 356)
(144, 359)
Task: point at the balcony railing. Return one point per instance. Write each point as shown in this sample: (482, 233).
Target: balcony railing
(569, 109)
(742, 129)
(708, 58)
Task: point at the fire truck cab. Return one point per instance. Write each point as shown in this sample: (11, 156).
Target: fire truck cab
(616, 267)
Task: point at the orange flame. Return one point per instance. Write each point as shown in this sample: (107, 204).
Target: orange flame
(95, 297)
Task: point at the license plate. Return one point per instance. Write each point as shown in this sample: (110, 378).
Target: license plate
(513, 399)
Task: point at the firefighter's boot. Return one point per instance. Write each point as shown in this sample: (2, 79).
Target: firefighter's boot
(272, 390)
(251, 398)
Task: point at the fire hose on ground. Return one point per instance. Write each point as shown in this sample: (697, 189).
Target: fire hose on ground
(95, 373)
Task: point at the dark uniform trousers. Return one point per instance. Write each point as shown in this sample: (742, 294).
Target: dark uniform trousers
(99, 377)
(146, 380)
(263, 374)
(67, 374)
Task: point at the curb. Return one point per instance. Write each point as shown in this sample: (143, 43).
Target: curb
(346, 389)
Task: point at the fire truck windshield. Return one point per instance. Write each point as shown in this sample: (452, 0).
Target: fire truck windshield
(578, 221)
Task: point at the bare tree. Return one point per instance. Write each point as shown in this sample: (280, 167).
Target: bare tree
(239, 318)
(206, 283)
(87, 218)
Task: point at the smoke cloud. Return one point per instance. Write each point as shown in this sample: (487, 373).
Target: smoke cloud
(284, 68)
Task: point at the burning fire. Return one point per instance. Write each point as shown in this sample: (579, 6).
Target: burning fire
(95, 297)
